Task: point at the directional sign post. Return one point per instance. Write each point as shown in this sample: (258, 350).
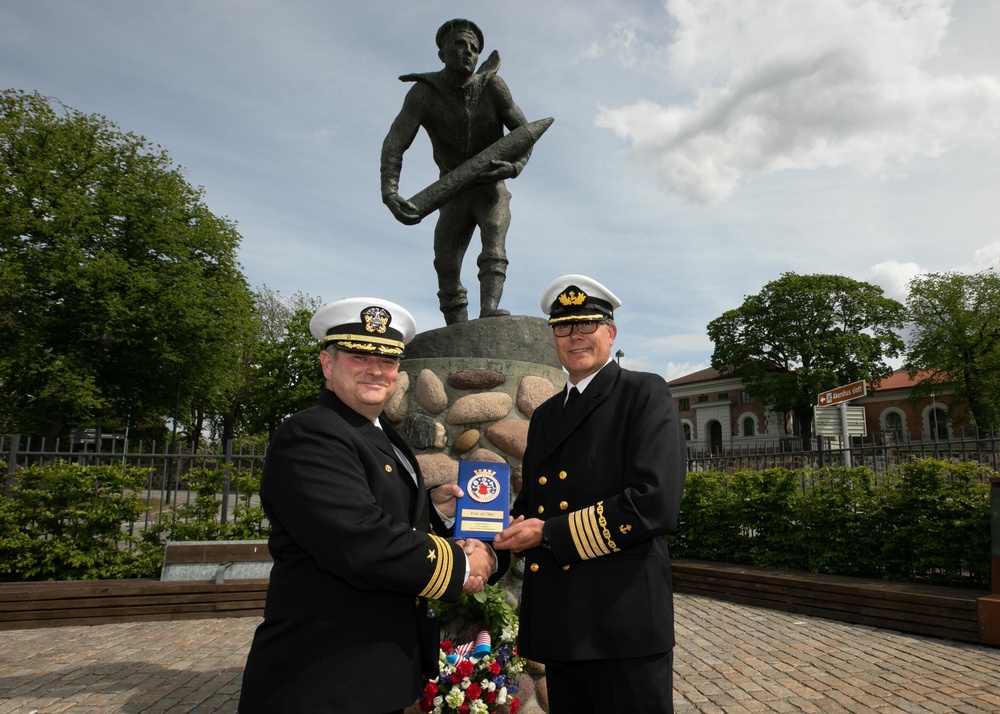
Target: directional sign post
(841, 395)
(854, 390)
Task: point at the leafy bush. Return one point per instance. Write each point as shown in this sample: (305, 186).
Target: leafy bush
(200, 520)
(936, 519)
(67, 521)
(929, 522)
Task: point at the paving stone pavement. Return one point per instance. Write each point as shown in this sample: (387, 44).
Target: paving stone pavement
(730, 659)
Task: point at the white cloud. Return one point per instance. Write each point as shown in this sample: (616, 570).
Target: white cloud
(791, 85)
(986, 257)
(894, 277)
(680, 369)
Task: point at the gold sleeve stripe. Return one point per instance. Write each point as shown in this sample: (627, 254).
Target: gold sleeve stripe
(443, 564)
(585, 533)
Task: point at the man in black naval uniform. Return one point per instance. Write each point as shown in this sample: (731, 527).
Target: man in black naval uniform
(357, 543)
(603, 476)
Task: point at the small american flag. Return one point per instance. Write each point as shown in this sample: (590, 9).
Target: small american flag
(478, 648)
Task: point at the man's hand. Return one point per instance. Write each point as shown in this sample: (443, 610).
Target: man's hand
(482, 563)
(520, 536)
(444, 498)
(404, 211)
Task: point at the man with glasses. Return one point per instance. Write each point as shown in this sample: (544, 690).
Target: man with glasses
(603, 475)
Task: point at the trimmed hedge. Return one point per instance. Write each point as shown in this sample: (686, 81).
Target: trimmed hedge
(65, 522)
(929, 521)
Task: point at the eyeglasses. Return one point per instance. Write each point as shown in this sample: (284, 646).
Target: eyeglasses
(584, 328)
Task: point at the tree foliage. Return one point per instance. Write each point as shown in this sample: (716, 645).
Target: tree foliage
(955, 338)
(286, 376)
(803, 334)
(120, 293)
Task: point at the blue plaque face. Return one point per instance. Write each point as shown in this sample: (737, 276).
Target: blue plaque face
(484, 510)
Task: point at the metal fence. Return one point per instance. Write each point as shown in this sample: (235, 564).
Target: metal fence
(165, 488)
(879, 457)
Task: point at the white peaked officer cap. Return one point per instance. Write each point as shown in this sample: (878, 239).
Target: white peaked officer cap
(364, 325)
(577, 298)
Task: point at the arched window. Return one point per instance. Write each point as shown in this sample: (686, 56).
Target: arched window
(749, 428)
(687, 431)
(894, 422)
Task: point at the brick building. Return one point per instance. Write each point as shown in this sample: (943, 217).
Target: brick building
(718, 414)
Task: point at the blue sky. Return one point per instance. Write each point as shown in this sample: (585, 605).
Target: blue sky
(700, 147)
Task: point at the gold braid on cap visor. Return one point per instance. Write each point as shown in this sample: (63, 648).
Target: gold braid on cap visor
(370, 344)
(579, 318)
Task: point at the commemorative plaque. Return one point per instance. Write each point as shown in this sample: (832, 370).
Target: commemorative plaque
(485, 508)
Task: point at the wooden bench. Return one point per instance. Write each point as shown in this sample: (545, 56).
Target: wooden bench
(199, 579)
(99, 602)
(950, 613)
(216, 560)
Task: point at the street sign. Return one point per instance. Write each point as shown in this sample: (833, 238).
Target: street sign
(855, 390)
(829, 422)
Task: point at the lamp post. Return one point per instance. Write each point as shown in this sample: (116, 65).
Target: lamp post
(934, 416)
(618, 355)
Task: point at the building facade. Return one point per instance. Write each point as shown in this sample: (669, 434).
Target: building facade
(718, 414)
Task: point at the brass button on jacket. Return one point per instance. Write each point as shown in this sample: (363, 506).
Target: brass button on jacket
(541, 509)
(563, 505)
(543, 480)
(534, 567)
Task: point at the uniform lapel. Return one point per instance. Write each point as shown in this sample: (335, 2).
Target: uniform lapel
(383, 441)
(555, 428)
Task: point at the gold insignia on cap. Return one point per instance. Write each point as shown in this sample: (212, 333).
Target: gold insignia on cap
(572, 296)
(625, 529)
(376, 319)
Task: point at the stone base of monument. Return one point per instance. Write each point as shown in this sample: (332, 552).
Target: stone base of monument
(466, 392)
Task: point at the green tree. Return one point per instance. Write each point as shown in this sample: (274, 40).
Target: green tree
(802, 334)
(955, 339)
(285, 375)
(120, 293)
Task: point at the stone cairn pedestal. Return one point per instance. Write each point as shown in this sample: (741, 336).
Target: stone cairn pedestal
(466, 393)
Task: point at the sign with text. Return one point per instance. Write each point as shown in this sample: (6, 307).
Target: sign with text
(484, 509)
(830, 422)
(847, 392)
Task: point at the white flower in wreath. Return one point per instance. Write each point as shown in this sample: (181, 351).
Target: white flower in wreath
(455, 697)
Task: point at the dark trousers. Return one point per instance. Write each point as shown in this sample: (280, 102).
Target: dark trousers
(641, 685)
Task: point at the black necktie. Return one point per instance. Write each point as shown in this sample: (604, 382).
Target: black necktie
(574, 394)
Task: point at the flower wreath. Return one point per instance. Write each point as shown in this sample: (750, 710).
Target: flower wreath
(479, 675)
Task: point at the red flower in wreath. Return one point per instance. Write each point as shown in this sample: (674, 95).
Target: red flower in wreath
(474, 691)
(446, 646)
(494, 668)
(515, 705)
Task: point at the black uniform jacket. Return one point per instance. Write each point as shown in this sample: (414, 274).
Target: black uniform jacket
(608, 479)
(345, 625)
